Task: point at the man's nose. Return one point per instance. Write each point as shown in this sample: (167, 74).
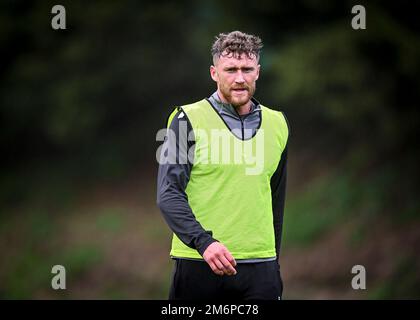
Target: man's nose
(239, 78)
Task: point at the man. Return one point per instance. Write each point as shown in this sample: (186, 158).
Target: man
(227, 220)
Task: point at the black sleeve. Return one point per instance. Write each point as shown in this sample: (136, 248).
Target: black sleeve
(172, 181)
(278, 195)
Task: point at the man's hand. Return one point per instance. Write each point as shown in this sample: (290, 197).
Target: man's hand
(219, 259)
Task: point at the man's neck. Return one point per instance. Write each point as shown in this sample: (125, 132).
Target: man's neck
(245, 109)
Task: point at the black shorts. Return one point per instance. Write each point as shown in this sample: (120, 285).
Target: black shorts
(194, 280)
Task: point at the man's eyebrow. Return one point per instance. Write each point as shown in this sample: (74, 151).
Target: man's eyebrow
(243, 67)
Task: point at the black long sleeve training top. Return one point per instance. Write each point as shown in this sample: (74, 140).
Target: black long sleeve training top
(173, 177)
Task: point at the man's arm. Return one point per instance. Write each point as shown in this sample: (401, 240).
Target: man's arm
(173, 201)
(278, 194)
(171, 184)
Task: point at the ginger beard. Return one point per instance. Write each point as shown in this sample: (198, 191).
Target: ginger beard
(237, 95)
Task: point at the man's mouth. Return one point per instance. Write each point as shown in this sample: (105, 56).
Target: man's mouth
(240, 90)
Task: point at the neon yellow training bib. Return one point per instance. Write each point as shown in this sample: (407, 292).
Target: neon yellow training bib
(229, 188)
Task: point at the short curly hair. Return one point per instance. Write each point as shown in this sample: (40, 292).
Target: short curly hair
(236, 43)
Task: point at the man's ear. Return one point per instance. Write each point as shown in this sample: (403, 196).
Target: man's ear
(258, 72)
(213, 73)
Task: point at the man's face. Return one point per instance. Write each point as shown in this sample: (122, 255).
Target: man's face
(236, 77)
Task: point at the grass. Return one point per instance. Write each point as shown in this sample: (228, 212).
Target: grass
(310, 214)
(29, 271)
(404, 283)
(341, 196)
(47, 227)
(111, 220)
